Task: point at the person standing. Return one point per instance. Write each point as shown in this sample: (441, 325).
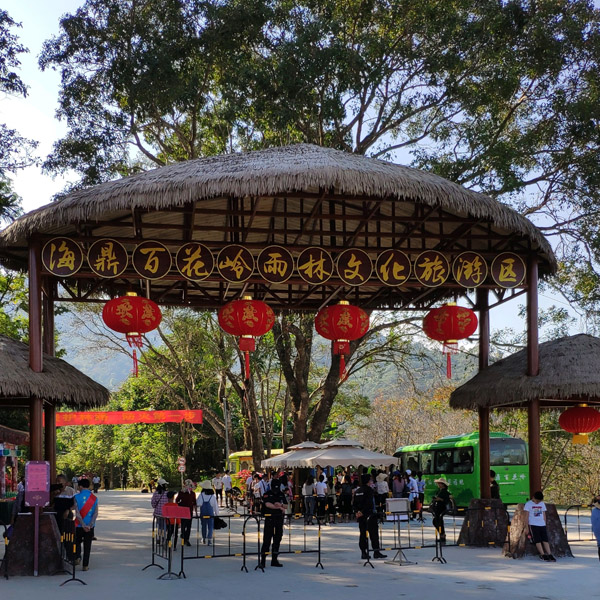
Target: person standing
(187, 498)
(106, 483)
(494, 487)
(321, 493)
(536, 509)
(228, 488)
(217, 484)
(96, 483)
(382, 494)
(308, 494)
(208, 509)
(596, 520)
(366, 515)
(274, 504)
(63, 501)
(421, 484)
(159, 498)
(439, 506)
(86, 512)
(397, 485)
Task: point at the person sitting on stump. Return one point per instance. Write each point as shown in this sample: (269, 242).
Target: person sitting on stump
(537, 525)
(274, 504)
(366, 515)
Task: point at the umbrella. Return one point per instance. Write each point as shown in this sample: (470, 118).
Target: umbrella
(341, 453)
(287, 458)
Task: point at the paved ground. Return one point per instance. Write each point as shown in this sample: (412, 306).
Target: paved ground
(124, 548)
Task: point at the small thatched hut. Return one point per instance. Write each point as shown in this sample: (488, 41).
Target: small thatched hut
(569, 374)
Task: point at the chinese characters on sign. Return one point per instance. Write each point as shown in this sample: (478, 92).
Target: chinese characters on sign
(151, 260)
(315, 265)
(432, 268)
(235, 263)
(508, 270)
(354, 266)
(393, 267)
(195, 261)
(469, 269)
(107, 258)
(275, 264)
(62, 257)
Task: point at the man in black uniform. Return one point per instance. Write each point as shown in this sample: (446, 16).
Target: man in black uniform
(364, 507)
(274, 504)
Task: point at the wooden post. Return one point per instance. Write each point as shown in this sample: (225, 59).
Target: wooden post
(35, 429)
(533, 367)
(484, 412)
(35, 348)
(49, 407)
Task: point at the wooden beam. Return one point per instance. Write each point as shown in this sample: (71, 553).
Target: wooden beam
(484, 412)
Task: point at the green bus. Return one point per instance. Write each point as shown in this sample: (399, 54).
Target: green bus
(456, 458)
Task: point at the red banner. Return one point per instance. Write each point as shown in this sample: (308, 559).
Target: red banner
(127, 417)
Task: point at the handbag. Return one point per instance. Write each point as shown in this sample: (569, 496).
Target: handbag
(220, 523)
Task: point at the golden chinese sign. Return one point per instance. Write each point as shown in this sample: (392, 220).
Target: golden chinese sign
(354, 266)
(393, 267)
(107, 258)
(432, 268)
(195, 261)
(275, 264)
(508, 270)
(235, 263)
(151, 260)
(469, 269)
(62, 257)
(315, 265)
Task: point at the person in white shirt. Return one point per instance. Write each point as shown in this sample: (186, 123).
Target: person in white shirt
(536, 510)
(321, 492)
(217, 483)
(227, 486)
(413, 493)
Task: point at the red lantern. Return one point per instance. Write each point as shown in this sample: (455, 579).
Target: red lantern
(449, 324)
(133, 316)
(247, 319)
(342, 323)
(580, 420)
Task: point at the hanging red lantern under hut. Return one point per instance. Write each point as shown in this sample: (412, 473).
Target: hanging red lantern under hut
(448, 324)
(342, 323)
(247, 319)
(580, 420)
(133, 316)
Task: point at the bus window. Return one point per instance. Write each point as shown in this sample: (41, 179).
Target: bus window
(463, 460)
(507, 451)
(443, 461)
(427, 462)
(412, 461)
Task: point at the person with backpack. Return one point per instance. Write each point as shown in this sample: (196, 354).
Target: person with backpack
(439, 506)
(208, 509)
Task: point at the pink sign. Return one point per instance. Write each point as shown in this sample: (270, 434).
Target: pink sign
(37, 483)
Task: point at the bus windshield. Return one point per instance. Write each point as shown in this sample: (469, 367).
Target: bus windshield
(507, 451)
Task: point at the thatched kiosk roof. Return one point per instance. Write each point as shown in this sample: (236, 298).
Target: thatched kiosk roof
(298, 197)
(569, 374)
(59, 382)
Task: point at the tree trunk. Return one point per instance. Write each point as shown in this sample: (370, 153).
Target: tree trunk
(328, 395)
(256, 441)
(296, 368)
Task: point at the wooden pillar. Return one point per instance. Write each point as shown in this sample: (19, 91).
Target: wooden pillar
(533, 367)
(35, 429)
(35, 348)
(49, 407)
(484, 412)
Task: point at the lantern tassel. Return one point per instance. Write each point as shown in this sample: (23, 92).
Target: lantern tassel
(448, 366)
(135, 363)
(247, 356)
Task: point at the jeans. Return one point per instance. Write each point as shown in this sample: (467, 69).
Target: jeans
(85, 537)
(309, 508)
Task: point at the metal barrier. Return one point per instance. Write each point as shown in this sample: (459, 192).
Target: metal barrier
(587, 529)
(68, 542)
(164, 543)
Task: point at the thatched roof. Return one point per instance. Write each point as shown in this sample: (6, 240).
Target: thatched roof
(59, 382)
(271, 172)
(569, 374)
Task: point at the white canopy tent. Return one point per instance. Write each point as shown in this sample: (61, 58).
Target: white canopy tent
(295, 452)
(337, 453)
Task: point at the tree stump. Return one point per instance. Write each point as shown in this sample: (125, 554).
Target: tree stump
(19, 553)
(520, 544)
(485, 524)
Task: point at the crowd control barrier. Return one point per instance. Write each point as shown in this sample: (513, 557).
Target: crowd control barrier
(68, 542)
(578, 523)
